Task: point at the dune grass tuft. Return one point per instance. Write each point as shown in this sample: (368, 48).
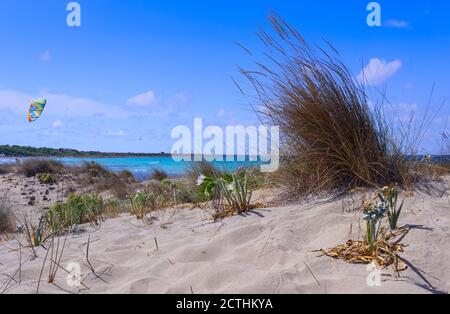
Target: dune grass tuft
(332, 139)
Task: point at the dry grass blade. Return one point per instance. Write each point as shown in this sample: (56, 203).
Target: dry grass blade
(55, 258)
(91, 267)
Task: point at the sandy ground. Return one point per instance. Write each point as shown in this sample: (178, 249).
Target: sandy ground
(268, 251)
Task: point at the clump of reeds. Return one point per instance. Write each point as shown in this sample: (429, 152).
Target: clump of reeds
(331, 138)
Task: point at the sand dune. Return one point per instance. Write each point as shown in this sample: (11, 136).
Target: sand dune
(269, 251)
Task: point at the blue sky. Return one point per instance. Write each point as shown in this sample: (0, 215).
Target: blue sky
(136, 69)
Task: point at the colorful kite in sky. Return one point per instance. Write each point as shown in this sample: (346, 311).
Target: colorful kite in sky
(36, 108)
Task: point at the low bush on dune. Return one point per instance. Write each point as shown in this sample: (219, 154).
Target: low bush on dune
(78, 210)
(7, 220)
(33, 167)
(332, 139)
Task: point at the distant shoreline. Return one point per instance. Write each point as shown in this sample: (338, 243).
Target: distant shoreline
(15, 151)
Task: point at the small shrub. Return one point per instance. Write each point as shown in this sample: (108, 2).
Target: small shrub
(46, 178)
(158, 175)
(7, 220)
(141, 204)
(78, 210)
(33, 167)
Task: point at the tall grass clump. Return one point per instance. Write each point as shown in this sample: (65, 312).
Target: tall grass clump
(7, 220)
(331, 139)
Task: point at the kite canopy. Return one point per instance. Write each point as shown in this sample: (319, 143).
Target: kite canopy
(36, 108)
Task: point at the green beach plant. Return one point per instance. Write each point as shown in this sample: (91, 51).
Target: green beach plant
(141, 204)
(46, 178)
(373, 215)
(389, 198)
(36, 234)
(236, 188)
(78, 210)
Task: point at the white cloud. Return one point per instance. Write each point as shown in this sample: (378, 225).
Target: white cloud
(57, 124)
(146, 99)
(45, 56)
(378, 71)
(114, 133)
(397, 24)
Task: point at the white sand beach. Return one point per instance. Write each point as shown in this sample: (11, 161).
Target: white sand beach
(271, 250)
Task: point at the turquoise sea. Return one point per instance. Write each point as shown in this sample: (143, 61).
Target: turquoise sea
(141, 167)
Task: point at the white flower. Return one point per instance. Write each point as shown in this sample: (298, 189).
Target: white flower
(200, 180)
(230, 187)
